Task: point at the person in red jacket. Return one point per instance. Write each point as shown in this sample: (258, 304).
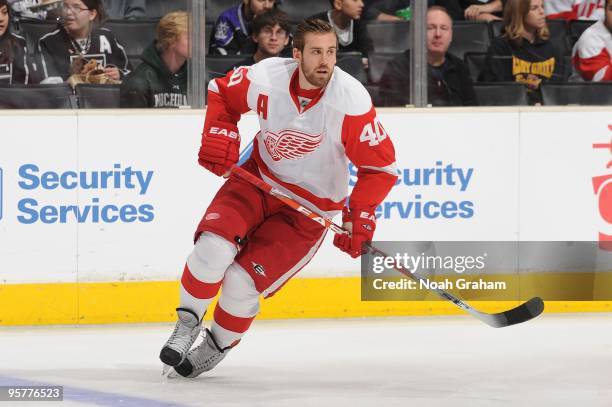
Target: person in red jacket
(574, 9)
(592, 54)
(314, 118)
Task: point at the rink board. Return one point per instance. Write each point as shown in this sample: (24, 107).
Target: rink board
(98, 208)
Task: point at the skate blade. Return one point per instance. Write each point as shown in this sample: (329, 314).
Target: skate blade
(168, 372)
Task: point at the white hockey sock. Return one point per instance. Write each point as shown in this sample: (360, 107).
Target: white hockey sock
(237, 307)
(204, 271)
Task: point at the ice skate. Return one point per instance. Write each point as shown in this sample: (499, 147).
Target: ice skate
(185, 333)
(203, 358)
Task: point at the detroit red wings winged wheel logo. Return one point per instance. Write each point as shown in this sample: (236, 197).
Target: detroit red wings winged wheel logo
(291, 144)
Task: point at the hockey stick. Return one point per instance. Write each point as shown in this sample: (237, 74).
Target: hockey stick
(524, 312)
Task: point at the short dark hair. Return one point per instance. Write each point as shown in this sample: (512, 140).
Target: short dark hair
(97, 5)
(311, 25)
(269, 19)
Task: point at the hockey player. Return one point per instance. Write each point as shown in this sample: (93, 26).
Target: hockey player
(314, 118)
(592, 54)
(78, 37)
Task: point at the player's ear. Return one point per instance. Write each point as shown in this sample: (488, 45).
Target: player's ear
(297, 54)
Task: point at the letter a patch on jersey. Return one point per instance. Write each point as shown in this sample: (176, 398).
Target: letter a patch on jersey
(262, 106)
(105, 47)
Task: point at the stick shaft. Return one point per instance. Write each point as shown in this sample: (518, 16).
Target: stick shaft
(495, 320)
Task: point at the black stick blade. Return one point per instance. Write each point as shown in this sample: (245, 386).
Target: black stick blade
(524, 312)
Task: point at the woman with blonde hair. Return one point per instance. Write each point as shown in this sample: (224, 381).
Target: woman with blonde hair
(161, 79)
(524, 53)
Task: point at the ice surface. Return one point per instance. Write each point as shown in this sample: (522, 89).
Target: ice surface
(555, 360)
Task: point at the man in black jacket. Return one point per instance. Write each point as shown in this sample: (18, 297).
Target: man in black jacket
(449, 83)
(345, 17)
(161, 79)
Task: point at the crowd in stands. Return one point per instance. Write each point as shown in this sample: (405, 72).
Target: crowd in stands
(522, 47)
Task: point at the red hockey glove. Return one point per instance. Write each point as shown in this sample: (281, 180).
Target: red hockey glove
(220, 148)
(362, 224)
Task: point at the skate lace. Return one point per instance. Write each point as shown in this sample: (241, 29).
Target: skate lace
(205, 355)
(182, 337)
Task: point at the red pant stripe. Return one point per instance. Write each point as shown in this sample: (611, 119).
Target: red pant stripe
(197, 288)
(230, 322)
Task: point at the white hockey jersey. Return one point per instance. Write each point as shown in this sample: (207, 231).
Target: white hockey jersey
(305, 150)
(592, 54)
(575, 9)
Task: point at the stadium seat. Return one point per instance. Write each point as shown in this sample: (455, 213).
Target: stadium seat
(558, 35)
(300, 9)
(389, 36)
(95, 96)
(36, 97)
(135, 61)
(469, 36)
(219, 65)
(500, 94)
(216, 7)
(576, 28)
(133, 35)
(495, 28)
(584, 93)
(567, 67)
(32, 30)
(378, 62)
(374, 92)
(159, 8)
(350, 62)
(474, 61)
(207, 33)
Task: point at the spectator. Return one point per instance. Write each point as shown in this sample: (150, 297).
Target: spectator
(574, 9)
(232, 29)
(125, 9)
(448, 80)
(476, 10)
(524, 52)
(387, 10)
(79, 37)
(489, 11)
(161, 79)
(592, 54)
(271, 34)
(345, 17)
(13, 53)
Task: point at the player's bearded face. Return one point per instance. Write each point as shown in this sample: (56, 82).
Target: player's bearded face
(318, 59)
